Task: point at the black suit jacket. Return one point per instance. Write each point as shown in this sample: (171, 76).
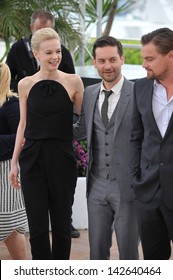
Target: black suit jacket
(151, 155)
(9, 119)
(21, 64)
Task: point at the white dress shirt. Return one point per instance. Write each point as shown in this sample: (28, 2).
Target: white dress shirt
(113, 98)
(162, 108)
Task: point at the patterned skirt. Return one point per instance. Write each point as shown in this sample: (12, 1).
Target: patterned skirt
(12, 208)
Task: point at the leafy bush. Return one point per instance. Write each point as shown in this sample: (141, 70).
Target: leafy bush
(132, 55)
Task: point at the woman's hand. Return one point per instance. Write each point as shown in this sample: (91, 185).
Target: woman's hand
(14, 177)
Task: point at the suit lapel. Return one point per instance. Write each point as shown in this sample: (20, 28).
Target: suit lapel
(93, 99)
(149, 92)
(121, 106)
(170, 126)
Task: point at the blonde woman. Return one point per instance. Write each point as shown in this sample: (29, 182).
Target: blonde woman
(47, 163)
(13, 219)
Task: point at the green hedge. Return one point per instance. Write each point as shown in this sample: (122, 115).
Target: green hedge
(132, 55)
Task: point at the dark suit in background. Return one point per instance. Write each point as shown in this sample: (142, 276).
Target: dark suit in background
(9, 116)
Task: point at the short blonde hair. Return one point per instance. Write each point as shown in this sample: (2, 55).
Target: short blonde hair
(41, 35)
(5, 79)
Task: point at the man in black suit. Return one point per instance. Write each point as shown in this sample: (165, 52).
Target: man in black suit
(20, 58)
(152, 145)
(22, 62)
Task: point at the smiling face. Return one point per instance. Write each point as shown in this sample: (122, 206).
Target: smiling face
(49, 54)
(108, 63)
(155, 63)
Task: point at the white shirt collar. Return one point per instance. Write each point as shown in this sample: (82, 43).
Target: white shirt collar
(116, 89)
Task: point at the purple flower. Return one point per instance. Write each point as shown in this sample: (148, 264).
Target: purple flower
(80, 150)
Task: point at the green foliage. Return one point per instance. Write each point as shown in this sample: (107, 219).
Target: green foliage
(132, 55)
(83, 143)
(91, 9)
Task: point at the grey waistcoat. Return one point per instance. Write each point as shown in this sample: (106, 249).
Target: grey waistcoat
(103, 152)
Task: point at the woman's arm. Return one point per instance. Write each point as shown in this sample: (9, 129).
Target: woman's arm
(78, 95)
(23, 93)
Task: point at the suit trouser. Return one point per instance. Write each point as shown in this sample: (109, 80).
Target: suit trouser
(48, 194)
(155, 222)
(106, 211)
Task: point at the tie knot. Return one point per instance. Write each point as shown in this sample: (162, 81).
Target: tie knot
(107, 93)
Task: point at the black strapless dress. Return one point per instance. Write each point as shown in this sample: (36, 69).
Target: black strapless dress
(48, 169)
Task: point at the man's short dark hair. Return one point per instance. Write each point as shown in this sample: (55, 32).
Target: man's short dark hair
(42, 14)
(162, 38)
(107, 41)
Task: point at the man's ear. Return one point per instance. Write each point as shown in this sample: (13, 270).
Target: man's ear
(123, 59)
(94, 62)
(31, 27)
(170, 54)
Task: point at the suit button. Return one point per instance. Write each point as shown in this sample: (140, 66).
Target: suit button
(106, 155)
(106, 144)
(161, 163)
(107, 164)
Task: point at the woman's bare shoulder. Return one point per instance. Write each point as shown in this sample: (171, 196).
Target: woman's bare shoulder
(26, 84)
(69, 75)
(26, 81)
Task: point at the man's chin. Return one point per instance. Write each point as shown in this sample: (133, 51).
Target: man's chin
(150, 76)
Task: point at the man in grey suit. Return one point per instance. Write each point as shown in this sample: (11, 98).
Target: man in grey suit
(105, 119)
(152, 145)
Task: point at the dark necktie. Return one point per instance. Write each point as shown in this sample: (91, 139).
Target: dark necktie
(104, 109)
